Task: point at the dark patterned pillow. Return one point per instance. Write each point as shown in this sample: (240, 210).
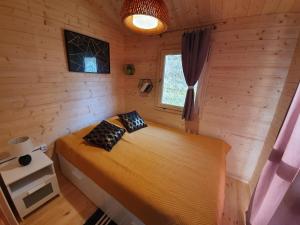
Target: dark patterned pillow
(132, 121)
(105, 135)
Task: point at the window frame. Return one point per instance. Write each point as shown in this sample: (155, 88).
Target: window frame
(171, 108)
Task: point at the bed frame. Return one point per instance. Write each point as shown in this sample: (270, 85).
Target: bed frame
(115, 210)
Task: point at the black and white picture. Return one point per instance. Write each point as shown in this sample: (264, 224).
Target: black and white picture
(87, 54)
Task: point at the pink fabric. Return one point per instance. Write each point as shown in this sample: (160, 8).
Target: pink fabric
(289, 210)
(279, 172)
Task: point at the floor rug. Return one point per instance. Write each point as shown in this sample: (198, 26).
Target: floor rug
(99, 218)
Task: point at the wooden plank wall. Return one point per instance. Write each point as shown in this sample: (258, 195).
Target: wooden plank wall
(288, 92)
(38, 96)
(246, 72)
(144, 53)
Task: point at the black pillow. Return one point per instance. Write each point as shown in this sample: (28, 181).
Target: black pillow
(105, 135)
(132, 121)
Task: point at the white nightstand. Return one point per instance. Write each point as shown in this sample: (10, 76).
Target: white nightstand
(28, 187)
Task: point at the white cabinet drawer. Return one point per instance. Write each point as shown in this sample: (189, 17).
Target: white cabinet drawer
(31, 199)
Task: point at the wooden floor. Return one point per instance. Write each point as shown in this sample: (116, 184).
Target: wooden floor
(237, 197)
(72, 207)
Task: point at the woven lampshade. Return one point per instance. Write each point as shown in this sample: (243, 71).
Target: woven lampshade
(153, 8)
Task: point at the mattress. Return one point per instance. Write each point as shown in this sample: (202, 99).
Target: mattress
(161, 174)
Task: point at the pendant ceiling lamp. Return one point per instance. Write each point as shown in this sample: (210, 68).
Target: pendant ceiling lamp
(145, 16)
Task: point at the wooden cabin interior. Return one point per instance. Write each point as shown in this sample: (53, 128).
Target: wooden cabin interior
(242, 98)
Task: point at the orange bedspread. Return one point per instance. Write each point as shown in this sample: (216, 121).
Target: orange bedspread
(163, 175)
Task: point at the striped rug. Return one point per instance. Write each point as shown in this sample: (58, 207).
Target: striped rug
(99, 218)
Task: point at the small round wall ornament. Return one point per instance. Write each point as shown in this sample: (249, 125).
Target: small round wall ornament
(129, 69)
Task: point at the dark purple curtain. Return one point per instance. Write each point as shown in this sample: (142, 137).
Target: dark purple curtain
(195, 47)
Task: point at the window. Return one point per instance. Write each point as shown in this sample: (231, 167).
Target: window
(173, 85)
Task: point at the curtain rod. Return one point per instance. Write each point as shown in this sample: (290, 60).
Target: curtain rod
(212, 25)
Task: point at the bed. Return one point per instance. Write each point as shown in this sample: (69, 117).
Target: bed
(159, 174)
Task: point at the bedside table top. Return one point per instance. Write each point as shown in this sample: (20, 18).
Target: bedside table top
(12, 171)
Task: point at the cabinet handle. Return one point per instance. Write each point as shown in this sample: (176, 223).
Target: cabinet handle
(36, 188)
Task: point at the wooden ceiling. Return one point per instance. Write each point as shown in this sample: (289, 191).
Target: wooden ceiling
(187, 13)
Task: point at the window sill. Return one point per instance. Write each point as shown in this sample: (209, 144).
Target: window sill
(169, 110)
